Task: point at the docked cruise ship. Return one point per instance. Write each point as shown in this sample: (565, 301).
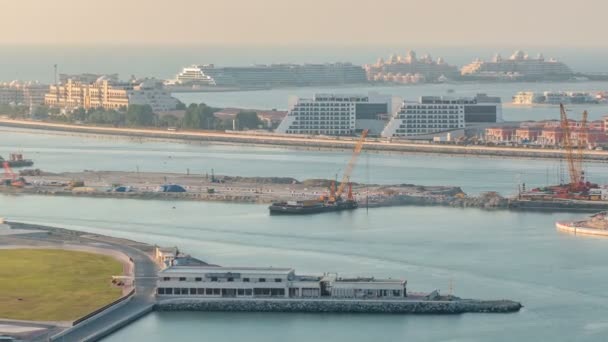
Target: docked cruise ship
(435, 114)
(274, 75)
(554, 97)
(337, 114)
(519, 66)
(410, 69)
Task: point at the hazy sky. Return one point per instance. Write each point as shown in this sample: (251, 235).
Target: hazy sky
(352, 22)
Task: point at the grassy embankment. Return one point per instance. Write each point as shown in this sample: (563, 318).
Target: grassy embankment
(55, 285)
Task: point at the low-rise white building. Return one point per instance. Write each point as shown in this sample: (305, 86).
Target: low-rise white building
(270, 282)
(336, 114)
(434, 114)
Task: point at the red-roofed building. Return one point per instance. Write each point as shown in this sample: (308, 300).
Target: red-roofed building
(551, 136)
(500, 134)
(527, 134)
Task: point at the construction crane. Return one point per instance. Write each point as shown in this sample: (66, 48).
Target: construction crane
(583, 141)
(574, 159)
(349, 169)
(12, 179)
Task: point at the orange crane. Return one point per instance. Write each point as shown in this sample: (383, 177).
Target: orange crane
(349, 169)
(575, 159)
(12, 179)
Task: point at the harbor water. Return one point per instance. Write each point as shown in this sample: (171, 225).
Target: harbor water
(63, 152)
(559, 278)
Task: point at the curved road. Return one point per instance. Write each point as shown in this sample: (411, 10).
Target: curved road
(145, 274)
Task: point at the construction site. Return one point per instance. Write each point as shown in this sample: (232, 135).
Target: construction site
(577, 189)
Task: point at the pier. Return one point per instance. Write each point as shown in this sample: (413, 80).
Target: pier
(143, 299)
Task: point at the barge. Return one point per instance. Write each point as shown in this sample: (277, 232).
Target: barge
(310, 207)
(17, 160)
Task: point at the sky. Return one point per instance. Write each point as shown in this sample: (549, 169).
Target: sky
(302, 22)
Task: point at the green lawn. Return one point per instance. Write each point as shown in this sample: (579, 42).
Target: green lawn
(55, 285)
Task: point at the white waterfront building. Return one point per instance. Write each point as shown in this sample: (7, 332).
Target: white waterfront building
(270, 282)
(434, 114)
(337, 114)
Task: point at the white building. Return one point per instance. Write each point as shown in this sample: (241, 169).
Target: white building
(264, 282)
(337, 114)
(151, 92)
(520, 66)
(434, 114)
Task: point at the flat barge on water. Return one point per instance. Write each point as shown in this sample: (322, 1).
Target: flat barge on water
(310, 207)
(17, 160)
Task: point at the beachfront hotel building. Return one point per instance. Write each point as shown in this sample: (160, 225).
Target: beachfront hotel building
(270, 282)
(23, 93)
(107, 94)
(336, 114)
(519, 66)
(436, 114)
(410, 69)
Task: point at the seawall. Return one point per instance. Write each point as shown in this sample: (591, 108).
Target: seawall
(303, 141)
(340, 306)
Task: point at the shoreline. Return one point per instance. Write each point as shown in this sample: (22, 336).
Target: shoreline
(372, 144)
(267, 190)
(143, 299)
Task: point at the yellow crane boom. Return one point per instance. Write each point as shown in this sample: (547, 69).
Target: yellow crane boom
(351, 164)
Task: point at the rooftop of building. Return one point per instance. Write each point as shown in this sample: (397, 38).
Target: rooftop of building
(218, 269)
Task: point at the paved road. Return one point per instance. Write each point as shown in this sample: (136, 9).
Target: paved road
(145, 270)
(276, 139)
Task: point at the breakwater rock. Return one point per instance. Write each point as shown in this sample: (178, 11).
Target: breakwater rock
(340, 306)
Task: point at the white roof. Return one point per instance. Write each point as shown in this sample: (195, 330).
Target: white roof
(216, 269)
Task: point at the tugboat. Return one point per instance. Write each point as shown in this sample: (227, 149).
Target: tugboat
(16, 160)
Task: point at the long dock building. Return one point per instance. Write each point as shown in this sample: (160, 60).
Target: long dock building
(270, 282)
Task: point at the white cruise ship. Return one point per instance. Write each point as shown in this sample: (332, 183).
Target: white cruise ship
(274, 75)
(434, 114)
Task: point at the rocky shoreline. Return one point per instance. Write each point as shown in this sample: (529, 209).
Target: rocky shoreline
(457, 306)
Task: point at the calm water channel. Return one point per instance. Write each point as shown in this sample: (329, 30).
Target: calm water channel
(559, 278)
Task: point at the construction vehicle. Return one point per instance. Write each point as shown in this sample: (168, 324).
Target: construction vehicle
(11, 178)
(331, 202)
